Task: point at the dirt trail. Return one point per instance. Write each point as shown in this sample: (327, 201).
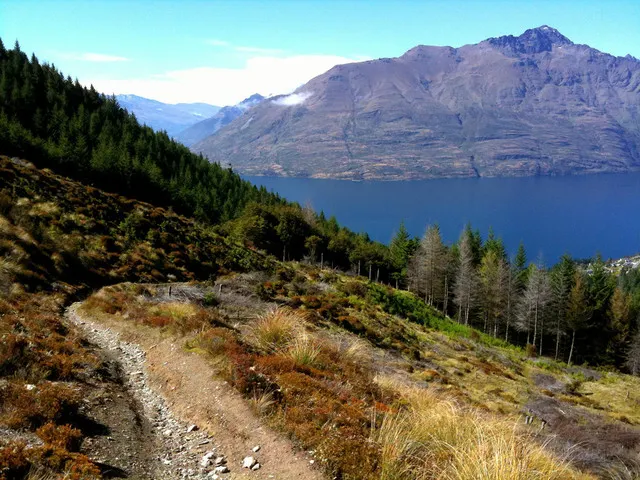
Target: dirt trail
(176, 389)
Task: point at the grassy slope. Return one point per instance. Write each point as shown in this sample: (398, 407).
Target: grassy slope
(57, 237)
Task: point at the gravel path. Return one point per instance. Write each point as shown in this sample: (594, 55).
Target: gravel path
(179, 449)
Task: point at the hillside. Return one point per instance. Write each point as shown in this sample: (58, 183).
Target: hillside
(172, 118)
(209, 126)
(535, 104)
(370, 379)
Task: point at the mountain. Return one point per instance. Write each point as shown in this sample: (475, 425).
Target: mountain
(164, 116)
(225, 115)
(535, 104)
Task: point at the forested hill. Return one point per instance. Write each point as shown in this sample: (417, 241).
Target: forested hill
(57, 123)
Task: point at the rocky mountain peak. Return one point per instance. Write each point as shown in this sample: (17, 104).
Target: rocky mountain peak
(252, 100)
(534, 40)
(529, 104)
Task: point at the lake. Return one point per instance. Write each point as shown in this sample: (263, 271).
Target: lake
(580, 215)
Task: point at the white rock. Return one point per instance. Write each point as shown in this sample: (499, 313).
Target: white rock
(220, 460)
(256, 467)
(192, 428)
(248, 462)
(167, 433)
(206, 459)
(221, 469)
(213, 475)
(256, 448)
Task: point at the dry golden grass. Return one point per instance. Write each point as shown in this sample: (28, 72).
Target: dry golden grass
(433, 438)
(177, 311)
(262, 403)
(276, 329)
(357, 351)
(44, 209)
(303, 350)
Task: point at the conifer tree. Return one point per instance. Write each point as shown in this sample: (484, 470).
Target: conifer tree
(578, 310)
(399, 252)
(620, 325)
(633, 355)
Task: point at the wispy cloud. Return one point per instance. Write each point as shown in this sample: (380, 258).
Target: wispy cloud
(267, 75)
(293, 99)
(93, 57)
(217, 43)
(244, 48)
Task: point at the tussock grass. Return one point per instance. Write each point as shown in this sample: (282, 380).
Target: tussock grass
(262, 402)
(276, 329)
(356, 350)
(303, 350)
(433, 438)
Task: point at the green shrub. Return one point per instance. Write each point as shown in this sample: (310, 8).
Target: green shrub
(210, 299)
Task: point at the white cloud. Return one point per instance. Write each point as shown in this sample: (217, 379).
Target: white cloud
(293, 99)
(266, 75)
(93, 57)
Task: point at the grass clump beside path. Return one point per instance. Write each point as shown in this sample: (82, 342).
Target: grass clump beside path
(433, 438)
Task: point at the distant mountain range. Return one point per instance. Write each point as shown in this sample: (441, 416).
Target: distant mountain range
(224, 116)
(162, 116)
(534, 104)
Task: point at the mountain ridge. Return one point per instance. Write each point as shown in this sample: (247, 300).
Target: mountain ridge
(533, 104)
(199, 131)
(172, 118)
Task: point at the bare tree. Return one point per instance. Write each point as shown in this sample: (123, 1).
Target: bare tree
(536, 297)
(511, 294)
(428, 268)
(434, 260)
(633, 355)
(465, 289)
(494, 285)
(562, 278)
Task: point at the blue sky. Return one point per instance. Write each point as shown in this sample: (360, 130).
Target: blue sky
(220, 52)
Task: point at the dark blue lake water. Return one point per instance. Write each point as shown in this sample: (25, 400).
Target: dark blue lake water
(581, 215)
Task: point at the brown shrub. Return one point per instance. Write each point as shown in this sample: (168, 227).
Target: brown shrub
(75, 466)
(530, 350)
(17, 461)
(13, 461)
(158, 321)
(218, 341)
(28, 407)
(60, 436)
(356, 288)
